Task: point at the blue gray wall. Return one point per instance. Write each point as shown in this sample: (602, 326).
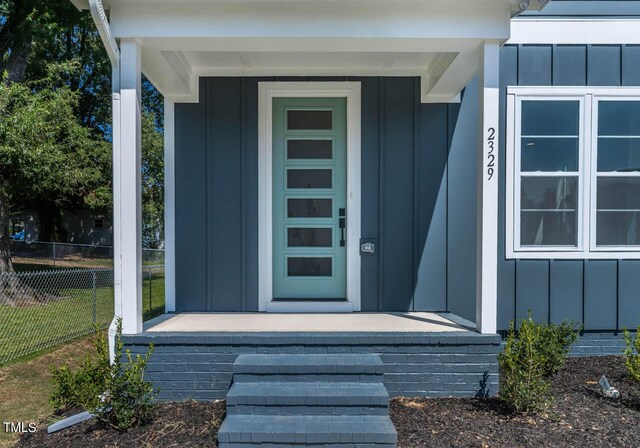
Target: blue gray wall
(405, 145)
(603, 294)
(588, 8)
(418, 202)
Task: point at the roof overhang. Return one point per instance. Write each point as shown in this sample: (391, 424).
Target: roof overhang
(438, 40)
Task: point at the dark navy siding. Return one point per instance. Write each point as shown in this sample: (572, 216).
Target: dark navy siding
(602, 294)
(461, 208)
(191, 204)
(404, 196)
(587, 8)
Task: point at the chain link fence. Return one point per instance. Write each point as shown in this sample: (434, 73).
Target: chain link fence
(41, 309)
(74, 255)
(61, 292)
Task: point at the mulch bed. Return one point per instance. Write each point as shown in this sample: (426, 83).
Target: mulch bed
(578, 417)
(184, 424)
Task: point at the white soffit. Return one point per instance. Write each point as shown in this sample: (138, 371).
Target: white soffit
(443, 75)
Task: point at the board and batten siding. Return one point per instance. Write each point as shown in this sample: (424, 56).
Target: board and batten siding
(602, 294)
(405, 208)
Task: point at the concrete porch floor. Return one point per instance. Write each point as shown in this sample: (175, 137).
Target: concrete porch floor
(310, 322)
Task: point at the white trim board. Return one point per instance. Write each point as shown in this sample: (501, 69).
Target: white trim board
(575, 31)
(169, 207)
(267, 91)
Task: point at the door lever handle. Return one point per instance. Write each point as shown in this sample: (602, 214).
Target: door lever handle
(342, 222)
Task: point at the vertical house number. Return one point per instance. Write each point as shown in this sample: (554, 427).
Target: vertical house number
(491, 158)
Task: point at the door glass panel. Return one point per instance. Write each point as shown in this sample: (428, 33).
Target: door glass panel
(309, 266)
(549, 211)
(316, 178)
(309, 149)
(309, 237)
(309, 120)
(618, 211)
(309, 208)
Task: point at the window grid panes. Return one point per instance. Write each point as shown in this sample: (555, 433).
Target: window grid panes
(549, 178)
(617, 184)
(575, 171)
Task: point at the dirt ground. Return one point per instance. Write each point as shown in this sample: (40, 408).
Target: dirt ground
(185, 424)
(578, 417)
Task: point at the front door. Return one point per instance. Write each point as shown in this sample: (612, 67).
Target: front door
(309, 198)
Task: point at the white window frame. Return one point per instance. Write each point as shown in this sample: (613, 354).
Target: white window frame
(587, 176)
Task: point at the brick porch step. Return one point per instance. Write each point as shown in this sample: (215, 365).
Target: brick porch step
(271, 430)
(307, 400)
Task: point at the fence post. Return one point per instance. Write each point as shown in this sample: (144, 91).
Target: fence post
(54, 254)
(95, 304)
(149, 291)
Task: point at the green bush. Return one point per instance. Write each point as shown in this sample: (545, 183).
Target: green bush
(632, 353)
(530, 356)
(116, 393)
(128, 398)
(83, 387)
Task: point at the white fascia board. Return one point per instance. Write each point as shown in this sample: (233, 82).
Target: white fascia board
(567, 31)
(439, 20)
(378, 44)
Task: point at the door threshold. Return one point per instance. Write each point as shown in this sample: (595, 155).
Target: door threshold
(306, 306)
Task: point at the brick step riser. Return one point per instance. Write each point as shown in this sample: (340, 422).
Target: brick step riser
(307, 410)
(297, 377)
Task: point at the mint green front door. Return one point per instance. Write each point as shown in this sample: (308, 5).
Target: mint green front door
(309, 198)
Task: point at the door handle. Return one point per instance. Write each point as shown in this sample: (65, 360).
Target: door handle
(342, 221)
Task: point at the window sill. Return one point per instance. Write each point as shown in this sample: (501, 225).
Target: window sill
(573, 255)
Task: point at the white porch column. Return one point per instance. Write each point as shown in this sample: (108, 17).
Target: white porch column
(128, 198)
(169, 208)
(487, 250)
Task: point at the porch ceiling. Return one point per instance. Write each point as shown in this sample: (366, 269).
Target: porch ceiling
(307, 323)
(437, 40)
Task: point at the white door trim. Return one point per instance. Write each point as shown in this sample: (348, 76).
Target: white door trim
(266, 92)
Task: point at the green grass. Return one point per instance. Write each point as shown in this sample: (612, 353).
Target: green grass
(152, 295)
(68, 312)
(25, 386)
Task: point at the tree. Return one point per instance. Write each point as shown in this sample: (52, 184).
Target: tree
(34, 37)
(45, 152)
(152, 182)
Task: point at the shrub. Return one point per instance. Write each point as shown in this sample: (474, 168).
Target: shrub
(83, 387)
(530, 356)
(116, 393)
(128, 397)
(632, 353)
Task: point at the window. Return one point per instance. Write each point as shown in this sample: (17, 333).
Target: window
(573, 172)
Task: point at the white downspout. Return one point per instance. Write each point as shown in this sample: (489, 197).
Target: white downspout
(104, 30)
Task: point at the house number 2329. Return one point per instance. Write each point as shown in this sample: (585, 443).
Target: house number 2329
(491, 158)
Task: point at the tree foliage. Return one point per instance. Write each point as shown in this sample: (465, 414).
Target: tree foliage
(45, 152)
(55, 123)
